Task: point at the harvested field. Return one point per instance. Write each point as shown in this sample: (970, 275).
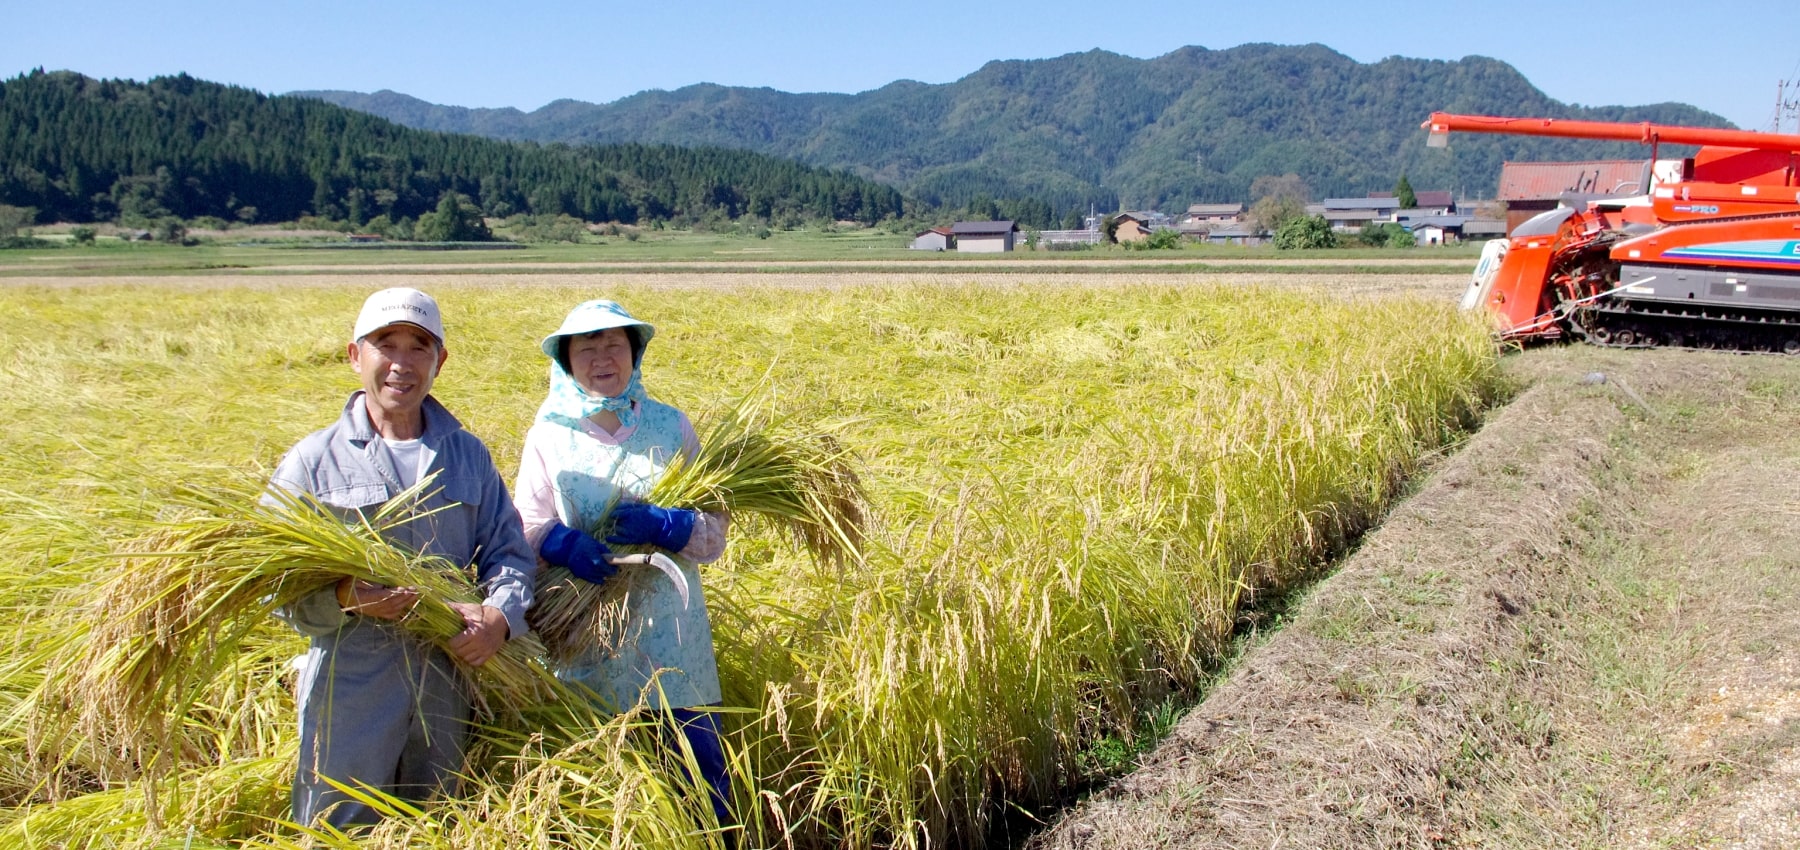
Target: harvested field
(931, 266)
(1577, 633)
(600, 282)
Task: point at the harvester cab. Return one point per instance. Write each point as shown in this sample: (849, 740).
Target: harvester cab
(1704, 253)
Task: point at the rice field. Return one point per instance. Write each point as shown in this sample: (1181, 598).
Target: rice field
(1073, 489)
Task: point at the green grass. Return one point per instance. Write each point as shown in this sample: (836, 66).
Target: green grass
(1072, 490)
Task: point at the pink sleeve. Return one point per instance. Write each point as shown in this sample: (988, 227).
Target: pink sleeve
(708, 541)
(690, 441)
(533, 494)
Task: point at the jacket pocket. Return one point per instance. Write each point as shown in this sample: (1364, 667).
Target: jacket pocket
(355, 497)
(463, 490)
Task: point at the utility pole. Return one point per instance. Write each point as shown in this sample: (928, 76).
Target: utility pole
(1785, 107)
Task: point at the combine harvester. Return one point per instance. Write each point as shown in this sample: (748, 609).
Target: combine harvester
(1708, 258)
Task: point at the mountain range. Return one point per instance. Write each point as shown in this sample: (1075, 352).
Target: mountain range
(1192, 126)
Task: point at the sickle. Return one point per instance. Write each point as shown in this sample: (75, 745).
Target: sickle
(661, 562)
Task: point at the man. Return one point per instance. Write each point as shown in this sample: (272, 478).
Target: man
(377, 707)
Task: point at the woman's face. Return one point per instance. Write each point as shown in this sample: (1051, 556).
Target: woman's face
(601, 361)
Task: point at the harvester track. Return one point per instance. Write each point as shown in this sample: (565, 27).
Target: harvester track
(1628, 324)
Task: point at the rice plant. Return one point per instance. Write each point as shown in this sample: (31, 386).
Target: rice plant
(1072, 491)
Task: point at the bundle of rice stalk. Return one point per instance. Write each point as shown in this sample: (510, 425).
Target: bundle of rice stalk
(800, 481)
(571, 776)
(184, 596)
(208, 805)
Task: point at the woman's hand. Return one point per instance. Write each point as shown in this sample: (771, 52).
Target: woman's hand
(641, 522)
(588, 559)
(368, 599)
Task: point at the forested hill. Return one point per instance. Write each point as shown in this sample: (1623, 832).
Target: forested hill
(79, 149)
(1195, 125)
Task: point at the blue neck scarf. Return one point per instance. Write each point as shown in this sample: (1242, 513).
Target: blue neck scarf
(568, 403)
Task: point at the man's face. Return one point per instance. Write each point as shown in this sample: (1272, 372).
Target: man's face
(397, 365)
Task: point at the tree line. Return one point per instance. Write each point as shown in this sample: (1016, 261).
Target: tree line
(79, 149)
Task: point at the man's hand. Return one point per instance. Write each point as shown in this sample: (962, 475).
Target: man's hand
(368, 599)
(484, 632)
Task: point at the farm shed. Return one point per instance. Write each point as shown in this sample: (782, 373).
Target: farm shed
(935, 239)
(1437, 229)
(984, 237)
(1484, 228)
(1529, 188)
(1055, 239)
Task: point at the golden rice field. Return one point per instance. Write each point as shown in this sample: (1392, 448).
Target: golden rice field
(1075, 488)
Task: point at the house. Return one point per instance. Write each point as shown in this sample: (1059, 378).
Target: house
(1132, 227)
(1200, 219)
(1529, 188)
(1348, 215)
(1213, 214)
(1444, 203)
(1430, 202)
(983, 237)
(1235, 234)
(935, 239)
(1378, 206)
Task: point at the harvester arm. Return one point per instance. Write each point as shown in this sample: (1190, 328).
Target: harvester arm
(1441, 124)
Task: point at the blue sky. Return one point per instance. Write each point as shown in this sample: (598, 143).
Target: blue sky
(1727, 61)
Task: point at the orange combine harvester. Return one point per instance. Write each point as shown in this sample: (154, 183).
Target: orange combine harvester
(1708, 257)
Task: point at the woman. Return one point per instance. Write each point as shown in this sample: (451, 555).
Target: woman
(598, 445)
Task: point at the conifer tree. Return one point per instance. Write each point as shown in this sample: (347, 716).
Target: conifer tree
(1403, 191)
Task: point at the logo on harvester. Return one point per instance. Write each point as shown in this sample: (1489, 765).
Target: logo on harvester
(1783, 251)
(1702, 209)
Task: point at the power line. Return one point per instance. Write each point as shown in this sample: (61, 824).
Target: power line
(1783, 105)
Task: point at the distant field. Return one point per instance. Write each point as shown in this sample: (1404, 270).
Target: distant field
(855, 250)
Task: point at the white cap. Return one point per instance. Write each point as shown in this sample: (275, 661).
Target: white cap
(397, 305)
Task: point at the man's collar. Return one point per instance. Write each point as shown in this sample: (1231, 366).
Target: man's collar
(439, 421)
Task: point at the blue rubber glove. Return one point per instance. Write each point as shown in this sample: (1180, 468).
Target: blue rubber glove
(640, 522)
(579, 551)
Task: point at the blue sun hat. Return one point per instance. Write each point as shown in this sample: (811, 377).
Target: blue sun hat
(568, 402)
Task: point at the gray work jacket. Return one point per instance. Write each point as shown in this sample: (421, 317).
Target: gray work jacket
(344, 467)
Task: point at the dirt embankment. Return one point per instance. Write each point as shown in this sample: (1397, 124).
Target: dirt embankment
(1579, 632)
